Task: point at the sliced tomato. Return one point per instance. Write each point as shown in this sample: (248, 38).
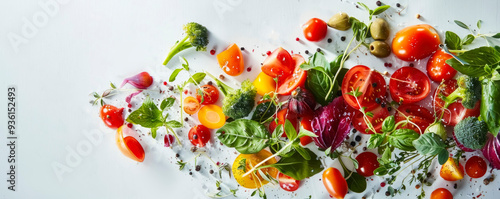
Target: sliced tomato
(129, 146)
(191, 105)
(409, 85)
(282, 116)
(231, 60)
(279, 64)
(210, 94)
(298, 78)
(455, 111)
(287, 183)
(369, 83)
(437, 68)
(379, 115)
(451, 170)
(419, 115)
(306, 124)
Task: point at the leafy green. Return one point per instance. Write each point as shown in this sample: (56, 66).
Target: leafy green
(356, 183)
(196, 78)
(297, 167)
(468, 39)
(429, 144)
(174, 74)
(461, 24)
(264, 111)
(167, 103)
(490, 105)
(246, 136)
(403, 139)
(318, 82)
(476, 60)
(453, 41)
(389, 124)
(148, 115)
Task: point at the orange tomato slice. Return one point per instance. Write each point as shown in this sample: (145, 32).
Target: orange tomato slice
(211, 116)
(191, 105)
(231, 60)
(129, 146)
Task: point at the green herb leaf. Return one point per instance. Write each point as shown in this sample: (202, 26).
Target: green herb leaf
(355, 93)
(476, 58)
(461, 24)
(112, 85)
(167, 103)
(386, 156)
(148, 115)
(302, 151)
(453, 41)
(356, 183)
(375, 140)
(364, 6)
(429, 144)
(264, 111)
(403, 139)
(246, 136)
(490, 105)
(303, 132)
(479, 24)
(369, 114)
(290, 131)
(496, 36)
(468, 39)
(184, 63)
(174, 74)
(389, 124)
(173, 124)
(297, 167)
(242, 165)
(380, 9)
(196, 78)
(318, 82)
(153, 132)
(443, 156)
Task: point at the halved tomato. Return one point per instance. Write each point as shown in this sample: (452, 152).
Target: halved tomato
(287, 183)
(409, 85)
(370, 83)
(455, 111)
(279, 64)
(419, 115)
(129, 146)
(298, 78)
(437, 68)
(379, 115)
(306, 124)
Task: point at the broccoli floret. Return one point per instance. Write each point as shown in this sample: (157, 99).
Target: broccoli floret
(196, 36)
(472, 133)
(239, 103)
(469, 91)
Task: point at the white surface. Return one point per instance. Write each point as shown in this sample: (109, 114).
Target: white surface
(87, 44)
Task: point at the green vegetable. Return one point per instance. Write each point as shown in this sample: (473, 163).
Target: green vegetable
(389, 124)
(297, 167)
(196, 36)
(431, 144)
(356, 183)
(264, 111)
(490, 105)
(469, 91)
(437, 128)
(318, 82)
(453, 41)
(471, 133)
(239, 103)
(403, 139)
(246, 136)
(476, 61)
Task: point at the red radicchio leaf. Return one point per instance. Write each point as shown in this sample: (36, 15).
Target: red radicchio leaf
(168, 140)
(491, 150)
(141, 81)
(331, 124)
(129, 98)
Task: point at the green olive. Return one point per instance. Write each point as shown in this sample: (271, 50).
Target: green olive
(340, 21)
(380, 49)
(379, 29)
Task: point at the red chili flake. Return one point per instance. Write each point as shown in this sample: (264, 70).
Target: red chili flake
(382, 184)
(212, 52)
(297, 39)
(130, 125)
(165, 83)
(130, 105)
(291, 52)
(268, 53)
(249, 69)
(218, 163)
(186, 92)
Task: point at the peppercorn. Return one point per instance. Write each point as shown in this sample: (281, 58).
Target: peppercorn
(198, 168)
(358, 138)
(379, 3)
(307, 52)
(342, 38)
(329, 40)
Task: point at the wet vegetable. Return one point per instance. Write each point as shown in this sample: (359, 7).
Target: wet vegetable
(301, 102)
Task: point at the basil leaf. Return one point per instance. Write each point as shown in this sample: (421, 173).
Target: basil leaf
(461, 24)
(173, 124)
(453, 41)
(429, 144)
(302, 151)
(290, 131)
(375, 140)
(468, 39)
(167, 103)
(496, 36)
(479, 24)
(319, 60)
(148, 115)
(174, 74)
(153, 132)
(303, 132)
(264, 111)
(476, 59)
(386, 156)
(318, 82)
(403, 139)
(380, 9)
(246, 136)
(490, 105)
(389, 124)
(443, 156)
(356, 183)
(380, 171)
(196, 78)
(297, 167)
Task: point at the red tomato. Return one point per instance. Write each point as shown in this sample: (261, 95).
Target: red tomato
(415, 42)
(279, 64)
(418, 115)
(287, 183)
(306, 124)
(231, 60)
(315, 29)
(298, 78)
(199, 135)
(111, 116)
(334, 182)
(379, 114)
(437, 69)
(371, 84)
(210, 94)
(476, 167)
(367, 163)
(282, 116)
(455, 111)
(409, 85)
(441, 193)
(451, 171)
(129, 146)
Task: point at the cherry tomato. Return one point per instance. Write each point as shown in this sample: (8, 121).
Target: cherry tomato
(298, 78)
(437, 68)
(451, 171)
(409, 85)
(129, 146)
(282, 116)
(306, 124)
(279, 64)
(212, 116)
(415, 42)
(367, 163)
(455, 111)
(245, 162)
(112, 116)
(441, 193)
(315, 29)
(370, 83)
(231, 60)
(199, 135)
(287, 183)
(264, 84)
(190, 105)
(210, 94)
(379, 115)
(417, 114)
(334, 182)
(476, 167)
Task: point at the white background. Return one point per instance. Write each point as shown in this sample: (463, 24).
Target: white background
(81, 46)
